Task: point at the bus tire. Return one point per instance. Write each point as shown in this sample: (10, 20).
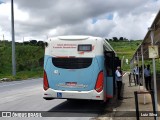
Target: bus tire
(48, 98)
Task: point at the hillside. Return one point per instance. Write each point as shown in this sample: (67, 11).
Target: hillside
(29, 60)
(125, 50)
(29, 57)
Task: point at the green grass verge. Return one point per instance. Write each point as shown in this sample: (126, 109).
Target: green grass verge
(23, 75)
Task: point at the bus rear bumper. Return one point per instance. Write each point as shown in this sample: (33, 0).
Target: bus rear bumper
(58, 94)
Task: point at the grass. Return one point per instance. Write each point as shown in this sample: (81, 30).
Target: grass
(23, 75)
(29, 61)
(127, 49)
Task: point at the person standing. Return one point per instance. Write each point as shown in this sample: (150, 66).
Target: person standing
(147, 75)
(118, 76)
(136, 72)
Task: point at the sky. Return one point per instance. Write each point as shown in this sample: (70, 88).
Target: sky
(40, 19)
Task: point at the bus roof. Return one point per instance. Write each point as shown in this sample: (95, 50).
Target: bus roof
(73, 37)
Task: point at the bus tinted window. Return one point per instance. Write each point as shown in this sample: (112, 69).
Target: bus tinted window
(85, 47)
(72, 63)
(109, 62)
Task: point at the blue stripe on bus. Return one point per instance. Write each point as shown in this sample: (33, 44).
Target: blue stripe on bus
(86, 76)
(109, 88)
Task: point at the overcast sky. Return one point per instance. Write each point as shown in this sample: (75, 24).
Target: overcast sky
(37, 19)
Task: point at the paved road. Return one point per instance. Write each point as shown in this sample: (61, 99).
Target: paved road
(26, 95)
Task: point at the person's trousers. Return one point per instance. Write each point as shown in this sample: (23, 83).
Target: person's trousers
(119, 87)
(148, 83)
(137, 79)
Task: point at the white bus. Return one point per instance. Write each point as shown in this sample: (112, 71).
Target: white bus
(78, 67)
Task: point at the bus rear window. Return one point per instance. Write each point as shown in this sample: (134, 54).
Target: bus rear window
(85, 47)
(72, 63)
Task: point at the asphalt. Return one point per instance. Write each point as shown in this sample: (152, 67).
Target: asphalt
(26, 95)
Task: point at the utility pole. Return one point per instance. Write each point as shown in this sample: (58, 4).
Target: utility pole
(23, 40)
(122, 61)
(3, 40)
(154, 73)
(13, 41)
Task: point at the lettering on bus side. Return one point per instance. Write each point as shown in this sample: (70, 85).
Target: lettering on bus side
(65, 46)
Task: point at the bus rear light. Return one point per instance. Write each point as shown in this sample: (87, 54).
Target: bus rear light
(99, 83)
(45, 81)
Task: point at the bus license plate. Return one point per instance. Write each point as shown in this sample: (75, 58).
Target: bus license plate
(71, 83)
(59, 95)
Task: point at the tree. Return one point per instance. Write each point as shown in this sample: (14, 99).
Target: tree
(106, 39)
(125, 39)
(40, 43)
(33, 42)
(115, 39)
(26, 43)
(121, 38)
(137, 44)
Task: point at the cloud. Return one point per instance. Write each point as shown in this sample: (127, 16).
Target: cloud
(132, 27)
(104, 18)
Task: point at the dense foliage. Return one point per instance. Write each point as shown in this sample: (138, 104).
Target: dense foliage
(29, 58)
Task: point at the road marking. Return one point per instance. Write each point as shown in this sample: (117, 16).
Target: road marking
(15, 83)
(20, 96)
(12, 84)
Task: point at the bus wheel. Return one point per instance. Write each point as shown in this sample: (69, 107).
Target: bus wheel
(48, 98)
(72, 100)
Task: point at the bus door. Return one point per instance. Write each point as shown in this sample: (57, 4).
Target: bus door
(110, 74)
(117, 62)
